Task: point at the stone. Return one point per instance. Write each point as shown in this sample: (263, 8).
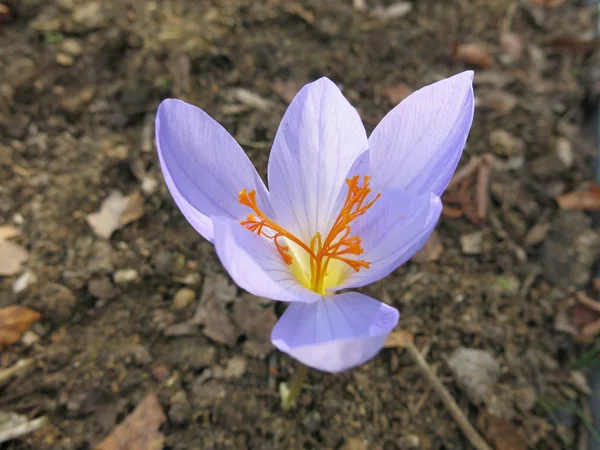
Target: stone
(476, 372)
(570, 250)
(205, 395)
(183, 298)
(180, 410)
(71, 47)
(236, 367)
(472, 243)
(125, 276)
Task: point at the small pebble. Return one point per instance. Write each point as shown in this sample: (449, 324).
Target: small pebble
(125, 276)
(64, 60)
(71, 47)
(183, 298)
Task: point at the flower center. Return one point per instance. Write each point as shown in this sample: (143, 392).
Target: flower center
(327, 256)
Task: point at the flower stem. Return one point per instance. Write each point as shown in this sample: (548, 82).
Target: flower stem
(289, 396)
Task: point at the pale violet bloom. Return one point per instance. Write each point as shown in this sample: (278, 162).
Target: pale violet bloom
(342, 210)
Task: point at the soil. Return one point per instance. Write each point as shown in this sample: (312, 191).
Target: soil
(80, 81)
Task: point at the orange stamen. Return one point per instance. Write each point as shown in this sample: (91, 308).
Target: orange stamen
(338, 243)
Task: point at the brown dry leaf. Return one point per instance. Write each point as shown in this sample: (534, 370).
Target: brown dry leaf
(496, 100)
(574, 44)
(139, 430)
(581, 200)
(8, 232)
(473, 54)
(399, 338)
(115, 212)
(286, 90)
(14, 321)
(397, 93)
(547, 3)
(431, 251)
(12, 256)
(501, 435)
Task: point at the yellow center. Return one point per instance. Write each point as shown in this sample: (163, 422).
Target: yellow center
(322, 263)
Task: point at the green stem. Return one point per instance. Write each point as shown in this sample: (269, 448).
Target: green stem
(289, 396)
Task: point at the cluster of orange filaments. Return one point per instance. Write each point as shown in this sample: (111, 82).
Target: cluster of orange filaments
(338, 244)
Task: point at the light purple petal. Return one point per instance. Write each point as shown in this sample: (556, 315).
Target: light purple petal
(255, 265)
(320, 137)
(418, 144)
(336, 333)
(204, 168)
(392, 231)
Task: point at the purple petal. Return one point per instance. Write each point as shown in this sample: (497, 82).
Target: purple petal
(335, 333)
(319, 138)
(255, 265)
(393, 230)
(418, 144)
(203, 166)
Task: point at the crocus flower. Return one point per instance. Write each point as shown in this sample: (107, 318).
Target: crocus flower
(342, 210)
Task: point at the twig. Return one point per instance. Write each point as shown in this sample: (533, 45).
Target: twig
(508, 17)
(469, 431)
(465, 172)
(501, 232)
(14, 370)
(22, 429)
(483, 185)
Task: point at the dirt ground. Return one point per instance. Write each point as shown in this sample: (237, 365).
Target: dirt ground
(80, 81)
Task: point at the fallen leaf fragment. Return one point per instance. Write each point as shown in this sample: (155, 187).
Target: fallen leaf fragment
(473, 54)
(574, 44)
(286, 90)
(495, 100)
(588, 200)
(501, 434)
(139, 430)
(431, 251)
(8, 232)
(115, 212)
(14, 321)
(547, 3)
(397, 93)
(12, 256)
(400, 339)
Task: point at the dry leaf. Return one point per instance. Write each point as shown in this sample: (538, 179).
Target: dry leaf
(115, 212)
(12, 256)
(574, 44)
(547, 3)
(286, 90)
(496, 100)
(431, 251)
(139, 430)
(501, 435)
(14, 321)
(581, 200)
(397, 93)
(473, 54)
(8, 232)
(400, 339)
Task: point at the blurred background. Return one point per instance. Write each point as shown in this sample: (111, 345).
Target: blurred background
(128, 307)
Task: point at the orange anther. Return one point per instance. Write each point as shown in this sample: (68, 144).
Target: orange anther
(338, 244)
